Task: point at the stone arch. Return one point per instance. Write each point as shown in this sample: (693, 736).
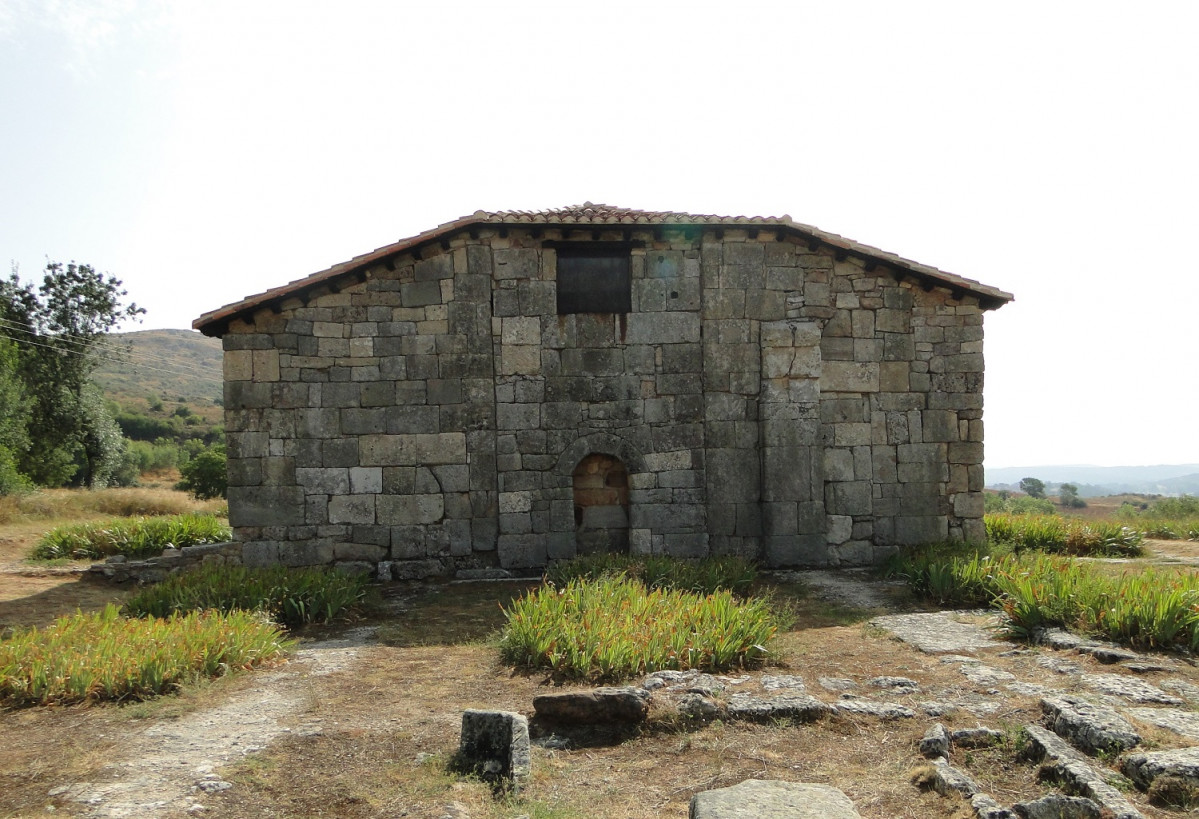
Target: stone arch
(601, 443)
(567, 542)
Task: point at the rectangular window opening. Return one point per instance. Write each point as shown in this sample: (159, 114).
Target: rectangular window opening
(594, 278)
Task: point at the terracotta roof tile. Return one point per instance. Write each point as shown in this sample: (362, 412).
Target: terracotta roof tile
(589, 213)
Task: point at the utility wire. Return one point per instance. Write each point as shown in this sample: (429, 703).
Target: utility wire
(83, 353)
(118, 354)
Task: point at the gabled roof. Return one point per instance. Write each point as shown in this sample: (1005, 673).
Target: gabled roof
(215, 322)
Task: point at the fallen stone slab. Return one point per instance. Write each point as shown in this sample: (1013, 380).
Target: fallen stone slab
(692, 681)
(1186, 689)
(900, 685)
(935, 742)
(1027, 689)
(772, 799)
(799, 707)
(1184, 723)
(936, 632)
(1143, 768)
(1089, 727)
(1058, 806)
(1149, 667)
(949, 779)
(884, 710)
(837, 683)
(789, 681)
(1060, 762)
(595, 707)
(1059, 664)
(495, 744)
(1108, 654)
(1058, 638)
(1129, 688)
(697, 706)
(985, 675)
(987, 808)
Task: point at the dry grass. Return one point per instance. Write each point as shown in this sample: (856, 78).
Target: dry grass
(62, 505)
(403, 697)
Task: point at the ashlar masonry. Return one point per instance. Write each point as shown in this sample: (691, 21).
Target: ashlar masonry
(514, 388)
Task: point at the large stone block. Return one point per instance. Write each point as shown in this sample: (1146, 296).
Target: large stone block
(495, 743)
(849, 376)
(408, 510)
(663, 328)
(772, 799)
(266, 506)
(412, 450)
(352, 508)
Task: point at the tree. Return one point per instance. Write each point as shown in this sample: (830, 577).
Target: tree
(206, 475)
(1033, 487)
(1068, 496)
(58, 329)
(14, 414)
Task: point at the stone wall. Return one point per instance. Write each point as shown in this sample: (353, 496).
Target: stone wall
(765, 398)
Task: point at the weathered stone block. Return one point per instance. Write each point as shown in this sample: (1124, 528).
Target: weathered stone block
(765, 799)
(266, 506)
(495, 743)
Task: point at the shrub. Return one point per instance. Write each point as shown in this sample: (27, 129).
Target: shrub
(206, 475)
(661, 572)
(93, 657)
(137, 537)
(293, 597)
(615, 627)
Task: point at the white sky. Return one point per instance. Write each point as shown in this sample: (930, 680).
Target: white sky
(205, 151)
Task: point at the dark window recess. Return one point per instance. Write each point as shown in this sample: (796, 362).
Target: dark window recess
(594, 280)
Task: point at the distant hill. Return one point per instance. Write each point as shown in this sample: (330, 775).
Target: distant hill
(1093, 481)
(172, 366)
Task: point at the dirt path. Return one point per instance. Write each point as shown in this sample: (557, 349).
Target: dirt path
(170, 762)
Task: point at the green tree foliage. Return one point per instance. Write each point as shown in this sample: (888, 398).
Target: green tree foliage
(1068, 495)
(58, 328)
(205, 475)
(14, 414)
(1033, 487)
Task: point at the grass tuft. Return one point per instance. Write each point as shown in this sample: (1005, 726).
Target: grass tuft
(102, 656)
(1071, 536)
(615, 627)
(661, 572)
(136, 537)
(1148, 608)
(293, 597)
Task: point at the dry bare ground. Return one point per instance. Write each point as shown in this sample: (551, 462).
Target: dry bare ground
(362, 723)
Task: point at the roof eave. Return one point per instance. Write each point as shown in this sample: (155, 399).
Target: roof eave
(216, 322)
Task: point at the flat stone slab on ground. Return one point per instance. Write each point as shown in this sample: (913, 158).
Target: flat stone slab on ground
(1059, 664)
(1129, 688)
(885, 710)
(1060, 762)
(1143, 768)
(949, 780)
(936, 632)
(1058, 806)
(1089, 727)
(985, 675)
(1184, 723)
(773, 799)
(802, 707)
